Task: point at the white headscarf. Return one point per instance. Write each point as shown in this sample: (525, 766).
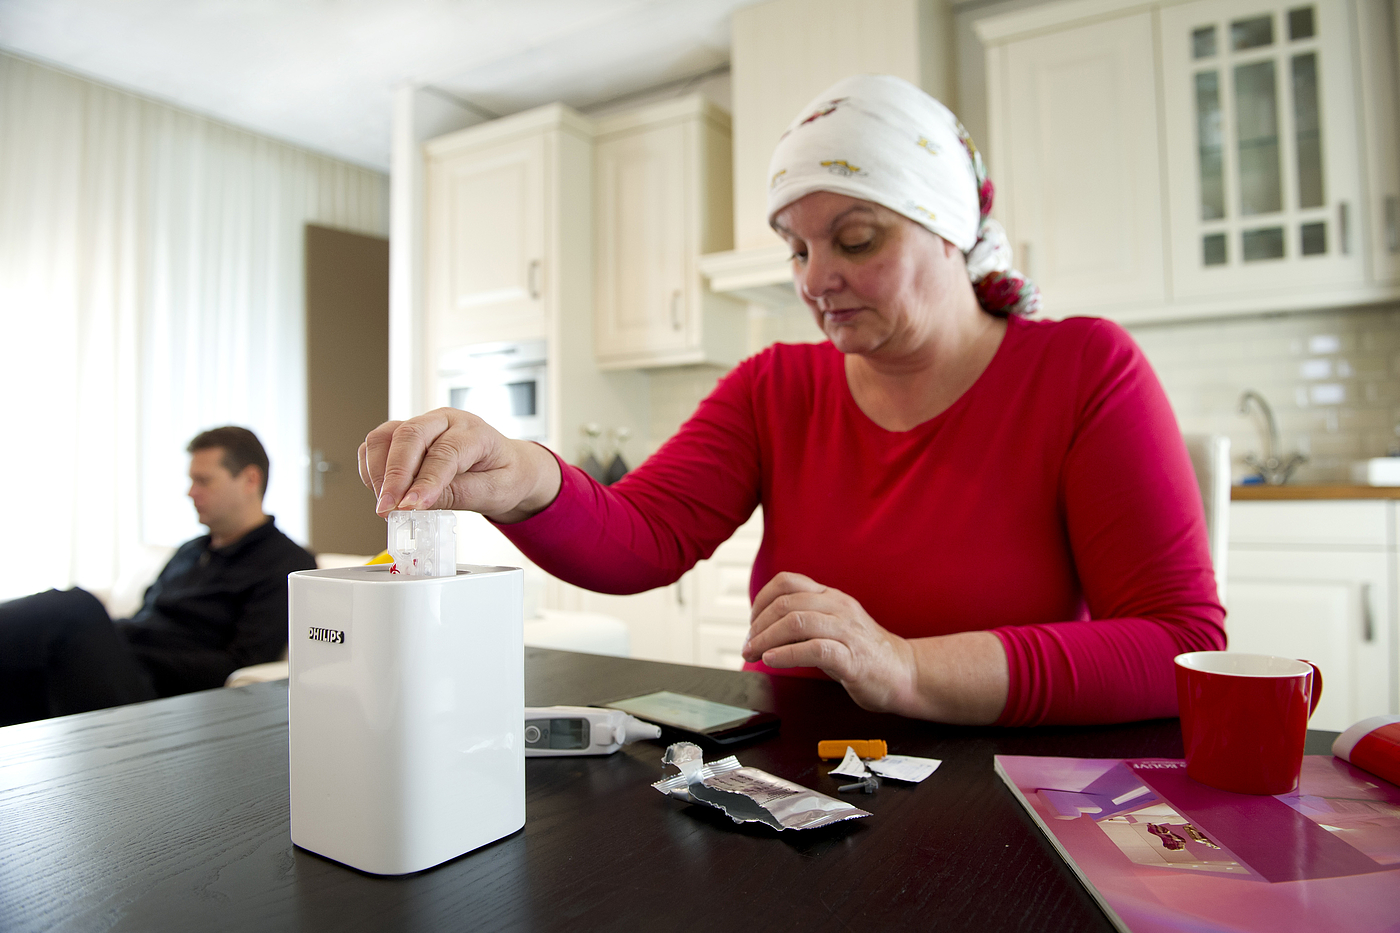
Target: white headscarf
(881, 139)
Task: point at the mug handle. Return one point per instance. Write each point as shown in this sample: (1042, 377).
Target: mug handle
(1316, 686)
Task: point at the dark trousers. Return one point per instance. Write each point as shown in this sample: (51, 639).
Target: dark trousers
(60, 654)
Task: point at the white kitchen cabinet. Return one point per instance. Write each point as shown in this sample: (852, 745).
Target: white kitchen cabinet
(486, 215)
(786, 52)
(1260, 135)
(1262, 156)
(659, 621)
(783, 53)
(1316, 580)
(1074, 122)
(509, 256)
(1378, 61)
(722, 597)
(662, 197)
(701, 619)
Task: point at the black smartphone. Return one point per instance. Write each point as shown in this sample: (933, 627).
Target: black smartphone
(695, 719)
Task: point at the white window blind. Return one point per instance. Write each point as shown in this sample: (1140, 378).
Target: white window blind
(151, 278)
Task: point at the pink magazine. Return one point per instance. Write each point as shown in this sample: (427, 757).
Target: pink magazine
(1161, 852)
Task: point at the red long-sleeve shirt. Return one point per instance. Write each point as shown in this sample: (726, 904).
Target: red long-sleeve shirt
(1053, 504)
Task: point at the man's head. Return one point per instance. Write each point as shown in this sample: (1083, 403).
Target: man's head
(228, 477)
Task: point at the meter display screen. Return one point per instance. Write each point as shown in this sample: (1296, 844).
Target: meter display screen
(562, 734)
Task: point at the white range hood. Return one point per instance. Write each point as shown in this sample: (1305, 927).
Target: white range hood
(761, 276)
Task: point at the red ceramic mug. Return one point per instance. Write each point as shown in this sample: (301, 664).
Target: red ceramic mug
(1244, 718)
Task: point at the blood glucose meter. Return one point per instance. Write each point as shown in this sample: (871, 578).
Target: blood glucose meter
(581, 730)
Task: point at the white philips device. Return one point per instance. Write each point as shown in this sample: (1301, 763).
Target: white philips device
(406, 710)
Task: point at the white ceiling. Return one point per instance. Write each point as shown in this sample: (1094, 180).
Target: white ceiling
(320, 73)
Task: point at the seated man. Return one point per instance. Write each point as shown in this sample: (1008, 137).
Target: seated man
(219, 604)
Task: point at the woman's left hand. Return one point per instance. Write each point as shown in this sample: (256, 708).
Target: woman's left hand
(797, 622)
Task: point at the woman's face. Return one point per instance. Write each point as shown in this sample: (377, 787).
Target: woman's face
(876, 281)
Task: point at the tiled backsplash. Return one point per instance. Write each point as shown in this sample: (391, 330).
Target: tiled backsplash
(675, 394)
(1332, 378)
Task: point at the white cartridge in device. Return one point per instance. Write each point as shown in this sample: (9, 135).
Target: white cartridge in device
(406, 710)
(423, 544)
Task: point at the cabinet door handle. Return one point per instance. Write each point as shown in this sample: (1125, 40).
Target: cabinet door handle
(1368, 621)
(532, 279)
(1392, 223)
(676, 322)
(680, 596)
(1025, 264)
(1344, 226)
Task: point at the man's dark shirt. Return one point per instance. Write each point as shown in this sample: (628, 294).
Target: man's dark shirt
(214, 610)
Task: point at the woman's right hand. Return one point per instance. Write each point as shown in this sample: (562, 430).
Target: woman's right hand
(451, 459)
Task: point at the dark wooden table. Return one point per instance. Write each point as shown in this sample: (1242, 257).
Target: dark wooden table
(173, 815)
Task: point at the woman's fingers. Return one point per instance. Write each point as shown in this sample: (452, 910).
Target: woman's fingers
(410, 463)
(408, 446)
(798, 622)
(795, 617)
(362, 458)
(451, 456)
(782, 585)
(373, 454)
(832, 656)
(451, 459)
(787, 593)
(796, 610)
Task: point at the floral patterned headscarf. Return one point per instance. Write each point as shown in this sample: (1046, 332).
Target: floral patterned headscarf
(881, 139)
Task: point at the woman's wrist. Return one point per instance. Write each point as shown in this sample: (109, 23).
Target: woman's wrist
(541, 481)
(960, 678)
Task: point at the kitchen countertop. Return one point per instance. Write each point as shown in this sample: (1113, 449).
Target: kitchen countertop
(1260, 492)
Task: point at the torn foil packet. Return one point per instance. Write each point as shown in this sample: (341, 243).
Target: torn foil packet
(748, 795)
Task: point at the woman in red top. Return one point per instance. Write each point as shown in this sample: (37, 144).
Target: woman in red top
(968, 517)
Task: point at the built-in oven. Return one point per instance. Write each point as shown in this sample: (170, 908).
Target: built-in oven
(502, 383)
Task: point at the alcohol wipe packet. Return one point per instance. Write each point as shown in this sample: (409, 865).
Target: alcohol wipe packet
(748, 795)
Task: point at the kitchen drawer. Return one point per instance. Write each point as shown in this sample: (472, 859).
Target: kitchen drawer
(722, 582)
(1332, 607)
(1359, 524)
(718, 645)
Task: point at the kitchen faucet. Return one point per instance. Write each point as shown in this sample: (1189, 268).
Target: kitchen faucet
(1271, 469)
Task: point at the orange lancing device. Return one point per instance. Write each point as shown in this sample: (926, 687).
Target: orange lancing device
(865, 748)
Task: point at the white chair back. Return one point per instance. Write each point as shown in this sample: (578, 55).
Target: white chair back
(1210, 458)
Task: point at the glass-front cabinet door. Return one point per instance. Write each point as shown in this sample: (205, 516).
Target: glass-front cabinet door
(1262, 150)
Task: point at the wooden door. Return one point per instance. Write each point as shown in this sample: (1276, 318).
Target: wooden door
(347, 374)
